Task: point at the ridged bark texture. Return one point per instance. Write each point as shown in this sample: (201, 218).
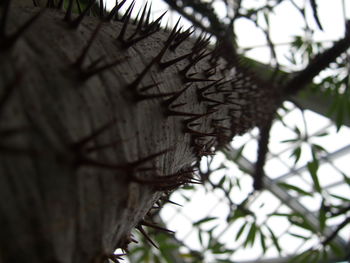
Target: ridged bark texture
(85, 152)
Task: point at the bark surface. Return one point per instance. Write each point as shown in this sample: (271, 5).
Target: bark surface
(85, 151)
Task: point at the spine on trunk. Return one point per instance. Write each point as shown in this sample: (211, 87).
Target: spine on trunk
(101, 116)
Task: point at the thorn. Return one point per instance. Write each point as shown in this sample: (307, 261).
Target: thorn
(79, 7)
(7, 41)
(125, 19)
(213, 107)
(128, 166)
(82, 142)
(211, 71)
(5, 12)
(194, 62)
(104, 146)
(168, 102)
(143, 232)
(139, 78)
(187, 80)
(222, 128)
(173, 106)
(68, 15)
(134, 240)
(79, 62)
(59, 5)
(136, 19)
(181, 37)
(147, 21)
(13, 131)
(49, 4)
(114, 11)
(101, 9)
(141, 21)
(148, 87)
(201, 43)
(219, 120)
(155, 25)
(115, 257)
(150, 157)
(213, 84)
(171, 112)
(193, 124)
(202, 97)
(172, 34)
(8, 90)
(131, 42)
(189, 121)
(146, 32)
(76, 22)
(171, 202)
(92, 70)
(166, 64)
(198, 133)
(169, 187)
(133, 85)
(149, 224)
(140, 97)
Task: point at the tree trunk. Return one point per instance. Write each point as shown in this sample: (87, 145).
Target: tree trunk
(95, 128)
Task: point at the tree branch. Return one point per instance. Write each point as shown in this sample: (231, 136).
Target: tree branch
(335, 232)
(321, 62)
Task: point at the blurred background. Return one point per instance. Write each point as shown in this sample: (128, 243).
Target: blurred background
(303, 212)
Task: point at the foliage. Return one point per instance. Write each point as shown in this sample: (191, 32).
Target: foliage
(250, 230)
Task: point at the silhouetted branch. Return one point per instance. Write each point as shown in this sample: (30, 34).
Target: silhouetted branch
(262, 151)
(335, 232)
(320, 63)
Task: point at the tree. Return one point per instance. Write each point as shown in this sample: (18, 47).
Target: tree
(332, 90)
(101, 119)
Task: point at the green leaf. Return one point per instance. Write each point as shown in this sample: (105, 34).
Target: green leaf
(186, 198)
(336, 249)
(297, 131)
(200, 237)
(297, 42)
(322, 134)
(318, 148)
(204, 220)
(306, 258)
(298, 236)
(294, 188)
(275, 240)
(224, 260)
(156, 259)
(238, 183)
(346, 179)
(238, 213)
(313, 167)
(262, 242)
(300, 221)
(322, 217)
(250, 239)
(289, 140)
(280, 214)
(296, 153)
(238, 154)
(325, 256)
(222, 180)
(240, 231)
(340, 197)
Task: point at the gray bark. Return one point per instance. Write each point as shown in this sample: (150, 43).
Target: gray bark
(61, 202)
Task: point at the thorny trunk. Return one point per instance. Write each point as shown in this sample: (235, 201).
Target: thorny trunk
(86, 150)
